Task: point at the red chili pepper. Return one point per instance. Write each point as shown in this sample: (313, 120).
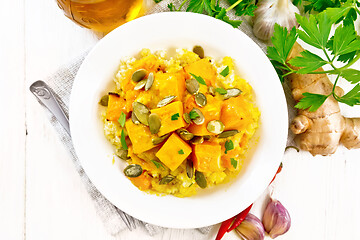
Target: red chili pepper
(223, 228)
(278, 171)
(239, 218)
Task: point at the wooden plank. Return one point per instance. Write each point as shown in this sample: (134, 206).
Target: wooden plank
(12, 121)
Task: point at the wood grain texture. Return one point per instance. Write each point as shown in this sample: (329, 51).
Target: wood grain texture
(41, 194)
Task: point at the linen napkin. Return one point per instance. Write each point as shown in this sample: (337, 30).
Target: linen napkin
(61, 83)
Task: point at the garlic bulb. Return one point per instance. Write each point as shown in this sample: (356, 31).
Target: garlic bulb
(251, 228)
(270, 12)
(276, 219)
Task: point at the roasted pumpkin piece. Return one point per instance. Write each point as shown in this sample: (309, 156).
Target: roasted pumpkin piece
(140, 137)
(231, 160)
(168, 115)
(174, 152)
(235, 113)
(211, 111)
(116, 105)
(207, 157)
(204, 69)
(166, 84)
(143, 182)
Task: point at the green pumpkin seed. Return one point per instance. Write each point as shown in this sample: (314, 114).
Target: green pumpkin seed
(134, 119)
(166, 101)
(133, 170)
(207, 137)
(200, 99)
(211, 90)
(104, 100)
(215, 126)
(154, 123)
(189, 168)
(228, 133)
(186, 118)
(199, 51)
(200, 119)
(185, 135)
(122, 153)
(200, 179)
(192, 86)
(167, 179)
(140, 85)
(161, 139)
(149, 81)
(141, 112)
(139, 75)
(197, 140)
(232, 92)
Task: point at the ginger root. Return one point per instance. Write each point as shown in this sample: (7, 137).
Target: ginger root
(321, 131)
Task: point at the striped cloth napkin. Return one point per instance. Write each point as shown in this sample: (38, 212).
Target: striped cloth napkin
(61, 83)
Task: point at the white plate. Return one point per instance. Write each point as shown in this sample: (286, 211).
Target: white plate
(170, 31)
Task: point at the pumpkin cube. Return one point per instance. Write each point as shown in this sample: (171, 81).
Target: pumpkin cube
(140, 137)
(173, 152)
(231, 160)
(204, 69)
(235, 113)
(207, 157)
(169, 121)
(211, 111)
(116, 105)
(166, 84)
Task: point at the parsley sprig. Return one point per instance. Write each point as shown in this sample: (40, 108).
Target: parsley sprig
(343, 46)
(213, 9)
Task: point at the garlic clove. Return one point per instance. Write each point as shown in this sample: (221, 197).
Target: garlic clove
(251, 228)
(270, 12)
(276, 219)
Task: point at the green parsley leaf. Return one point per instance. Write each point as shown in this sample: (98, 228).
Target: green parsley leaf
(245, 7)
(157, 1)
(199, 79)
(171, 7)
(122, 119)
(312, 101)
(352, 97)
(198, 6)
(225, 72)
(193, 115)
(352, 75)
(308, 62)
(337, 13)
(221, 91)
(233, 162)
(175, 116)
(229, 145)
(222, 16)
(181, 151)
(279, 69)
(122, 140)
(157, 164)
(345, 41)
(318, 5)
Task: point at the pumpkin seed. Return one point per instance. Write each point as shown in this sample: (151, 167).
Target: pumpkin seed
(139, 75)
(228, 133)
(161, 139)
(167, 179)
(199, 51)
(215, 126)
(154, 123)
(185, 135)
(140, 85)
(197, 140)
(192, 86)
(104, 100)
(200, 179)
(122, 153)
(189, 168)
(133, 170)
(232, 92)
(200, 119)
(211, 90)
(186, 118)
(134, 119)
(207, 137)
(200, 100)
(149, 81)
(166, 101)
(141, 112)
